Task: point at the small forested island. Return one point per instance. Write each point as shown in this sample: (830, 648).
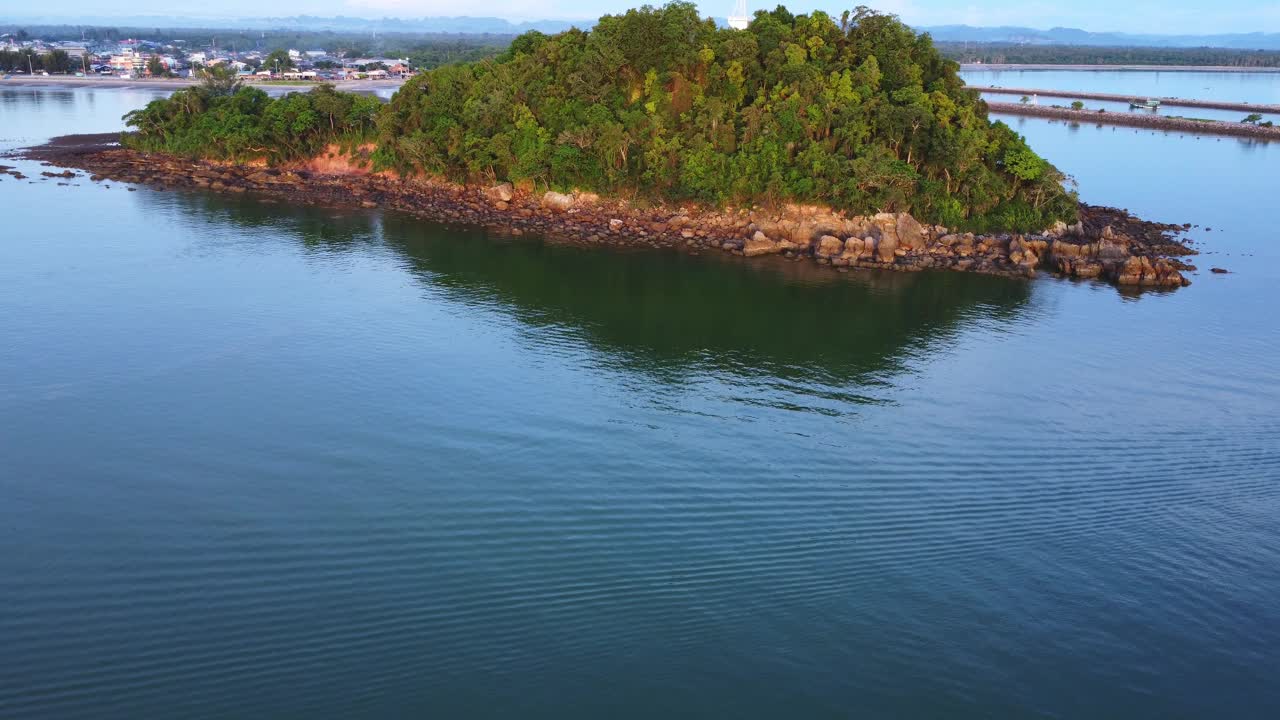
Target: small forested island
(852, 141)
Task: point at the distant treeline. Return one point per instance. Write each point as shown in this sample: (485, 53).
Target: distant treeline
(25, 60)
(425, 50)
(998, 53)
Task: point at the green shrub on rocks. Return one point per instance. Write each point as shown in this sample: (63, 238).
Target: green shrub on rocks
(222, 120)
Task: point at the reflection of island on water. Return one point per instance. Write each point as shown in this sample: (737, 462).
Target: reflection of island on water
(662, 311)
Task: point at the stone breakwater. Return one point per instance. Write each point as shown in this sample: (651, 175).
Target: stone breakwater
(1179, 102)
(1106, 244)
(1140, 120)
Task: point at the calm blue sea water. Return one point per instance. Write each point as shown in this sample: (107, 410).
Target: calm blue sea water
(260, 461)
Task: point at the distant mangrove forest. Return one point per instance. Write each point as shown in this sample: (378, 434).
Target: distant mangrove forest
(1022, 54)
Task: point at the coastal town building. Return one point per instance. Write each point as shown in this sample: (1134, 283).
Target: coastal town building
(76, 52)
(135, 57)
(129, 61)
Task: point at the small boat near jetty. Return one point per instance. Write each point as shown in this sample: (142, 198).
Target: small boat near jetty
(1147, 104)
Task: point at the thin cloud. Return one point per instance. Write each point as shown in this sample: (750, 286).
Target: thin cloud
(506, 9)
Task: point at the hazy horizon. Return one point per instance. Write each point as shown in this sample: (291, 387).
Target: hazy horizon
(1167, 18)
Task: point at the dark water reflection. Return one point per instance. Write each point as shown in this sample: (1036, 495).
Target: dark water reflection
(668, 312)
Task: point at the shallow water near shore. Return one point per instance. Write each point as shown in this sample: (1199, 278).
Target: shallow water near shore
(263, 461)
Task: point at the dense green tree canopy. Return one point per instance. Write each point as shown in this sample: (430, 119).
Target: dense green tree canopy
(222, 120)
(24, 60)
(859, 114)
(278, 61)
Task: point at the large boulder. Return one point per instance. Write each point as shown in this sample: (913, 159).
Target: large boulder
(859, 226)
(1142, 271)
(1111, 247)
(764, 225)
(760, 244)
(1023, 254)
(911, 235)
(557, 202)
(829, 246)
(884, 225)
(1062, 248)
(500, 193)
(801, 234)
(1132, 271)
(886, 247)
(1078, 267)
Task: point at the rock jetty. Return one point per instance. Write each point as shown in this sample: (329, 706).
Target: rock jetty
(1174, 101)
(1106, 244)
(1140, 120)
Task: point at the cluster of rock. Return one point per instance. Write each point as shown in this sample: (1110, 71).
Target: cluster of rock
(897, 241)
(1131, 254)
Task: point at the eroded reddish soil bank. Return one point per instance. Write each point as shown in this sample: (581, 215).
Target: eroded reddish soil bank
(1108, 244)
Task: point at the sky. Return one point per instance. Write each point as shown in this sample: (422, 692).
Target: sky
(1138, 16)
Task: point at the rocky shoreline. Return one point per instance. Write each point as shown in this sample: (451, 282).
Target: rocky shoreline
(1107, 244)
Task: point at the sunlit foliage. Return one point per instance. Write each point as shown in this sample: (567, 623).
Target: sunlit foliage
(859, 114)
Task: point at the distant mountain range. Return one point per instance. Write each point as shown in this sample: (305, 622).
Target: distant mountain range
(1073, 36)
(462, 25)
(497, 26)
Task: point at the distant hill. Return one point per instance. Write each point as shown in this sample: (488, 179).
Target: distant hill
(1073, 36)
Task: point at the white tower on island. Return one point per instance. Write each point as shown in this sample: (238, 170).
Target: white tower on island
(739, 20)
